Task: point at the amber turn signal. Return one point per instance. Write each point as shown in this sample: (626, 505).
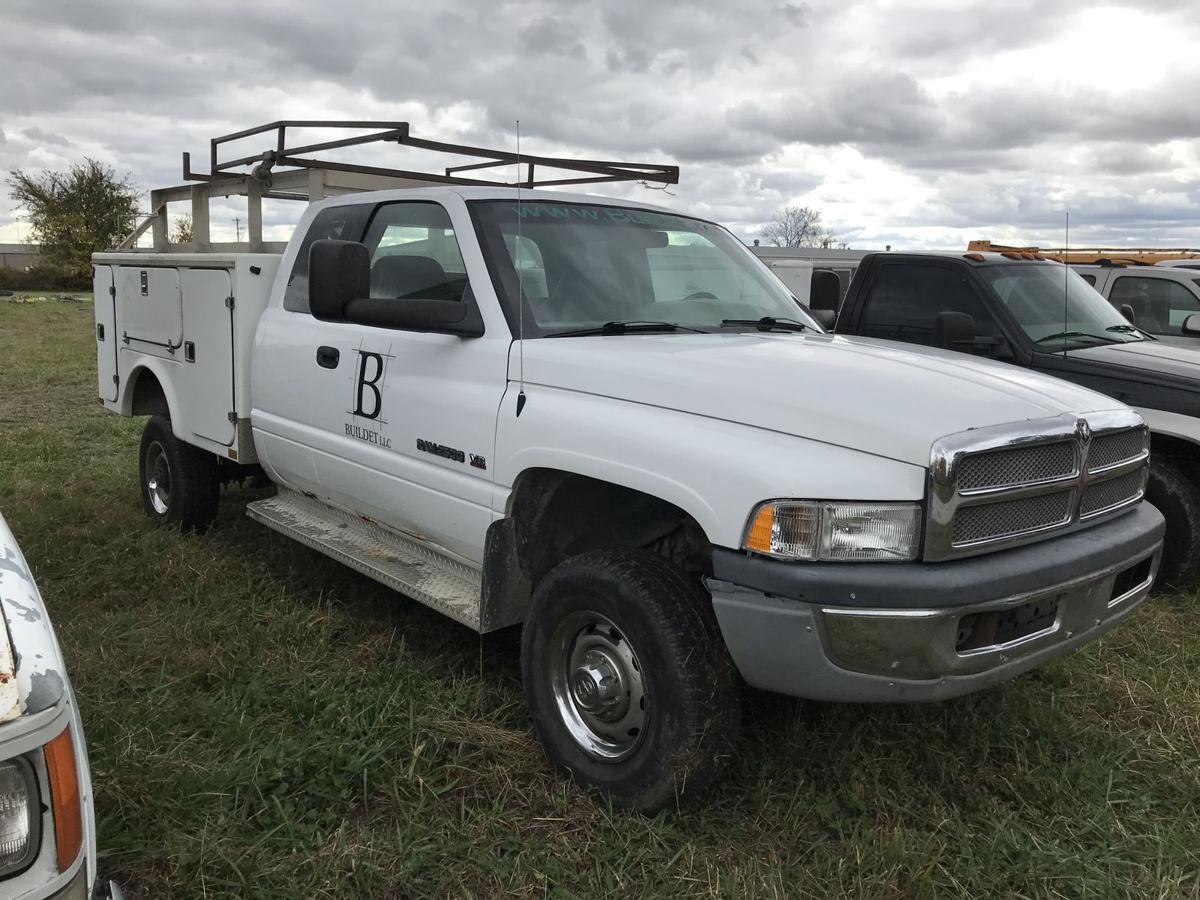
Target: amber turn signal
(64, 798)
(758, 537)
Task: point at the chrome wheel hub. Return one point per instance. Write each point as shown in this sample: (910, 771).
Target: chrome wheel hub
(158, 478)
(598, 686)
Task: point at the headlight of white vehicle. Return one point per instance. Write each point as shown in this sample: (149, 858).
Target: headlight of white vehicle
(20, 815)
(835, 530)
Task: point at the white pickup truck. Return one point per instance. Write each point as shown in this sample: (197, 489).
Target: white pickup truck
(47, 814)
(611, 423)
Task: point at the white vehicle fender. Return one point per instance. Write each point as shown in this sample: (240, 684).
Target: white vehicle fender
(714, 470)
(1176, 425)
(161, 370)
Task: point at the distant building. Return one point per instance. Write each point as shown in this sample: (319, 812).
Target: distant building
(19, 256)
(841, 262)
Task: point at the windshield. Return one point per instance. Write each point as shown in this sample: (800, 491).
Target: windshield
(1055, 307)
(583, 266)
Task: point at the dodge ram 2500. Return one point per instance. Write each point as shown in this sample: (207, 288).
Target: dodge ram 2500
(611, 423)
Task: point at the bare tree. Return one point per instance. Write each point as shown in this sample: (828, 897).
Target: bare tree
(798, 226)
(182, 232)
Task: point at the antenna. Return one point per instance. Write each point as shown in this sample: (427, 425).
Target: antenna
(520, 286)
(1066, 270)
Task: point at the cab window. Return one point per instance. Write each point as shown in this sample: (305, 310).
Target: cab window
(1159, 305)
(414, 254)
(905, 298)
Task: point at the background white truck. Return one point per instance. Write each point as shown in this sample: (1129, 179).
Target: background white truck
(1159, 299)
(47, 817)
(612, 424)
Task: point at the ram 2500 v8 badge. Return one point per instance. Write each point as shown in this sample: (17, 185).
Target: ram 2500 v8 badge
(610, 423)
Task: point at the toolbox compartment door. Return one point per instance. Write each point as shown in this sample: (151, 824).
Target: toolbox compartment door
(149, 309)
(106, 332)
(208, 353)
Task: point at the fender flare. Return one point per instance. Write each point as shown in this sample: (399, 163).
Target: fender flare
(621, 475)
(159, 369)
(1176, 425)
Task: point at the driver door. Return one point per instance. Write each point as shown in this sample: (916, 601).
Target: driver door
(403, 422)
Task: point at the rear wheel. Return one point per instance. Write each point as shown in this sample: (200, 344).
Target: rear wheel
(181, 484)
(1173, 491)
(627, 679)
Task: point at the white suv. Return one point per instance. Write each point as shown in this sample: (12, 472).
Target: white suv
(1161, 298)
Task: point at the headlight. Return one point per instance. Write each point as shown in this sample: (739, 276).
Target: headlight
(835, 530)
(20, 816)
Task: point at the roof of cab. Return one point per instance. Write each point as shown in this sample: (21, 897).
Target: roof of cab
(978, 258)
(528, 195)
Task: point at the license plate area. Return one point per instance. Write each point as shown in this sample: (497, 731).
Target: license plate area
(997, 628)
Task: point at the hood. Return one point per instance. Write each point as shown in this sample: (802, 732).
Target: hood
(1160, 357)
(889, 399)
(32, 676)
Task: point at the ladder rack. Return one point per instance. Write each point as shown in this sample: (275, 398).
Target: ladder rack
(1134, 256)
(298, 172)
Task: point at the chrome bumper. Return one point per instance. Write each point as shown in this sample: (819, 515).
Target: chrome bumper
(930, 643)
(920, 632)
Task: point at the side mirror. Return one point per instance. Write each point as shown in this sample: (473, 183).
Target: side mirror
(826, 292)
(826, 318)
(1127, 311)
(954, 331)
(1191, 325)
(338, 272)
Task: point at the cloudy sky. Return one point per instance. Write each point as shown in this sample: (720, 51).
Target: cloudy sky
(915, 124)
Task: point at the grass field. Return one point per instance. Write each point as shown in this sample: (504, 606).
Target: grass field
(264, 723)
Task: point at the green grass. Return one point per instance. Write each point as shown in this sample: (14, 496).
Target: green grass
(265, 723)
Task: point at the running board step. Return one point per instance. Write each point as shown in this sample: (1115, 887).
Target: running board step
(402, 563)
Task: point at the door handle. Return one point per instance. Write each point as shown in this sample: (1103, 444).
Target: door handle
(327, 357)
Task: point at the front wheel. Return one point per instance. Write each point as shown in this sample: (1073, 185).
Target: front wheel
(627, 679)
(1173, 491)
(181, 484)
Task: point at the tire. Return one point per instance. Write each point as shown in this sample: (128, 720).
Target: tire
(180, 484)
(629, 624)
(1174, 492)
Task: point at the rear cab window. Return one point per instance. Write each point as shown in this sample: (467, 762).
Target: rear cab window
(341, 223)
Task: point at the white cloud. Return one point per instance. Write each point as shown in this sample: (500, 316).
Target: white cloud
(908, 122)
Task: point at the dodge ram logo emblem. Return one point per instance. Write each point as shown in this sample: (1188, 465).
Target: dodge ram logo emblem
(1084, 430)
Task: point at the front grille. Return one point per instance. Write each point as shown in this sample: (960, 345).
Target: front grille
(1110, 449)
(999, 486)
(1019, 465)
(1005, 518)
(1105, 495)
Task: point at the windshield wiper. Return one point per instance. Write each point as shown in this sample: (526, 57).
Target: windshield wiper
(1064, 335)
(625, 327)
(766, 323)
